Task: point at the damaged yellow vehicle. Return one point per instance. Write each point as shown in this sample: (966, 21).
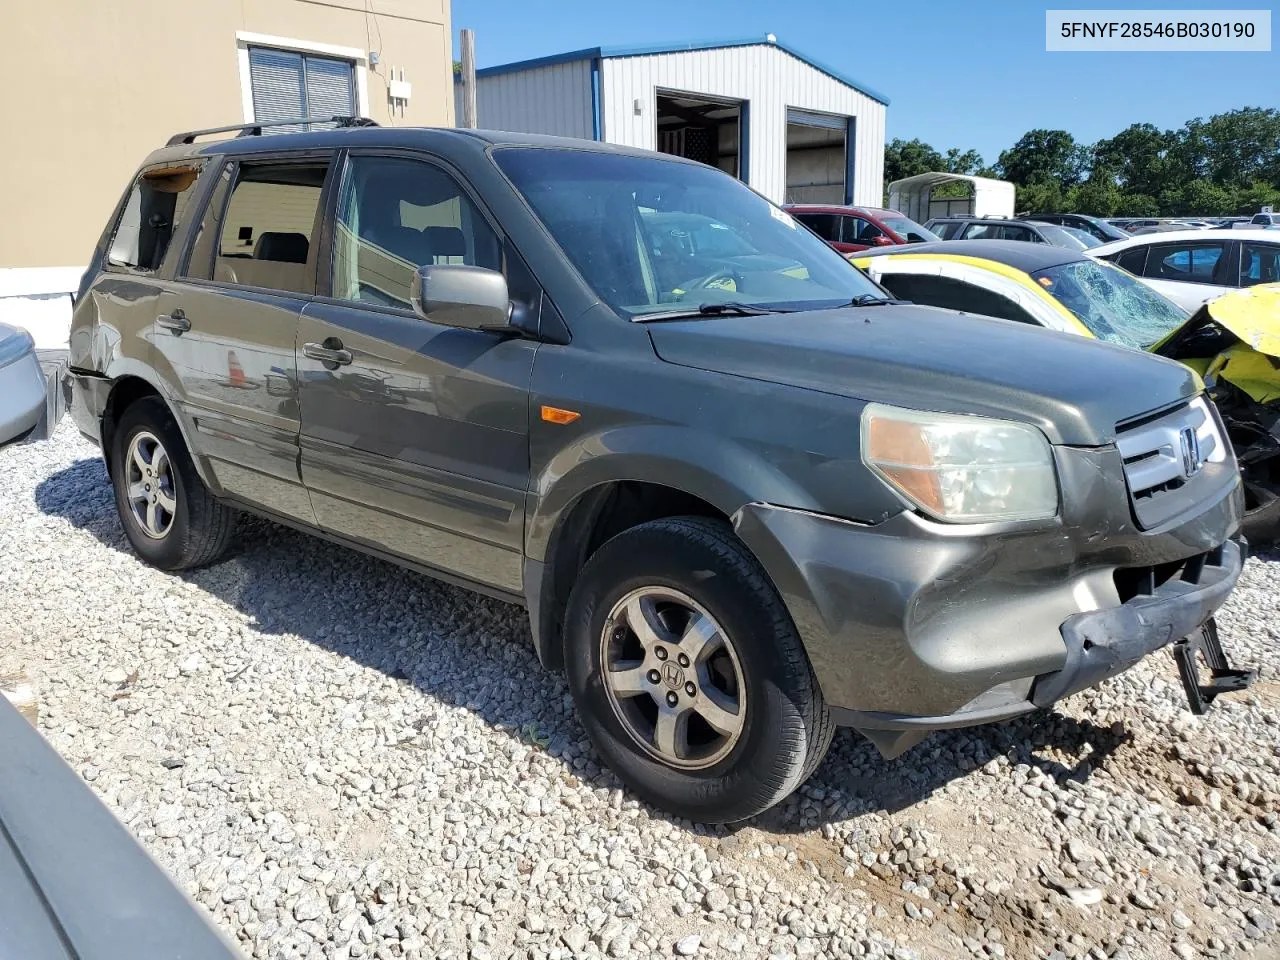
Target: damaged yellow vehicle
(1233, 342)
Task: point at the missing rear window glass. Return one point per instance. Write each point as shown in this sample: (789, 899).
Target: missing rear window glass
(152, 213)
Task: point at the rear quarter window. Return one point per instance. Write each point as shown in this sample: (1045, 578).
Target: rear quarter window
(157, 205)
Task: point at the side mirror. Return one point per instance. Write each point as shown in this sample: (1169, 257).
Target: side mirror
(915, 238)
(474, 298)
(882, 241)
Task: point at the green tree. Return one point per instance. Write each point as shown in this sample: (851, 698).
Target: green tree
(1143, 159)
(908, 158)
(1040, 196)
(967, 162)
(1098, 197)
(1045, 156)
(1235, 148)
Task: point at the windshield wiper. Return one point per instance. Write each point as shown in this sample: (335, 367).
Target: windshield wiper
(871, 300)
(731, 309)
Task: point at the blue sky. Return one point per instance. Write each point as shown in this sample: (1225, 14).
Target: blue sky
(963, 73)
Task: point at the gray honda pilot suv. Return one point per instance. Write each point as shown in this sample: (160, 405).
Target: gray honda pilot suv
(744, 496)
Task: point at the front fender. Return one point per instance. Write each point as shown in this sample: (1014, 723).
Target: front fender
(725, 474)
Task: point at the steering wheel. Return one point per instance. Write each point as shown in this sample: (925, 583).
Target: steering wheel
(724, 273)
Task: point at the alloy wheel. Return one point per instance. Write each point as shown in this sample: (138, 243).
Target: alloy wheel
(673, 678)
(149, 486)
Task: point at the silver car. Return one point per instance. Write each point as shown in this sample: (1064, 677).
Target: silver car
(22, 386)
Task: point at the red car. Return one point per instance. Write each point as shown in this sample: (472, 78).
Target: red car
(850, 229)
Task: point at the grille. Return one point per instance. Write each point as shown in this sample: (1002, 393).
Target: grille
(1163, 452)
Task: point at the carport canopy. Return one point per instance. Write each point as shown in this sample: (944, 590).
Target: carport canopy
(913, 195)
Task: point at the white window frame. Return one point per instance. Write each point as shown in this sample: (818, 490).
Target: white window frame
(359, 60)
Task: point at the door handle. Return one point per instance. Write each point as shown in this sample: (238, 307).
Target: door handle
(176, 321)
(331, 351)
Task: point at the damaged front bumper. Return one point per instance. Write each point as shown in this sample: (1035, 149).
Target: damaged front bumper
(914, 626)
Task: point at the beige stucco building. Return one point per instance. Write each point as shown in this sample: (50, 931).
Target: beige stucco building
(93, 86)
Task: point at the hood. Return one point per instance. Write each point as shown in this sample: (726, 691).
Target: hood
(1252, 314)
(1247, 354)
(1072, 388)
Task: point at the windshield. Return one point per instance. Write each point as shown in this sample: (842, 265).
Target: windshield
(654, 236)
(1060, 237)
(1111, 303)
(1088, 239)
(909, 230)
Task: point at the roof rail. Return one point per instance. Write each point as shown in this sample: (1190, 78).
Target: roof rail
(255, 129)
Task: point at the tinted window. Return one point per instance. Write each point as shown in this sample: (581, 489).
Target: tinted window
(1019, 233)
(981, 231)
(269, 227)
(153, 212)
(601, 209)
(857, 230)
(944, 229)
(954, 295)
(825, 225)
(1259, 263)
(395, 215)
(1133, 259)
(1193, 262)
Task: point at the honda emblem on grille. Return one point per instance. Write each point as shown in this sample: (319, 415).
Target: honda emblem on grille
(1191, 461)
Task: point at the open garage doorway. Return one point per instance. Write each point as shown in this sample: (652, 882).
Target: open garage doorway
(703, 129)
(819, 158)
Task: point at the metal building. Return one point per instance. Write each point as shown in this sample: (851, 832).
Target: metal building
(794, 129)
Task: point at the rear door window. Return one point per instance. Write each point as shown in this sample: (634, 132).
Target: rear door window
(157, 206)
(267, 234)
(1134, 260)
(1190, 262)
(945, 229)
(1019, 233)
(825, 225)
(982, 231)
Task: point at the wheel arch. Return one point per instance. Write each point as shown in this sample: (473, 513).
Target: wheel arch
(612, 482)
(127, 388)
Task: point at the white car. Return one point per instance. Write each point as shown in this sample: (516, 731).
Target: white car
(1191, 267)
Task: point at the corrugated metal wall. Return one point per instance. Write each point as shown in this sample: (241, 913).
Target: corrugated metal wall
(554, 100)
(769, 78)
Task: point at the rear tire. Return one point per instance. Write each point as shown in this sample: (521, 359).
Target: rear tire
(727, 658)
(168, 515)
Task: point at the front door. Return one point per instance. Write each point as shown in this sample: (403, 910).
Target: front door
(225, 330)
(415, 435)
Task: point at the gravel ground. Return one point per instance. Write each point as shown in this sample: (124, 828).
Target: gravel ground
(339, 758)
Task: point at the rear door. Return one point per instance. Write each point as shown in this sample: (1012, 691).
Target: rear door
(1190, 272)
(415, 435)
(225, 331)
(829, 226)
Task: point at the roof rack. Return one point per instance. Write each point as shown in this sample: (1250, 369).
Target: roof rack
(255, 129)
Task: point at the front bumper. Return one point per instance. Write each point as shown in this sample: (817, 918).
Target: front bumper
(914, 626)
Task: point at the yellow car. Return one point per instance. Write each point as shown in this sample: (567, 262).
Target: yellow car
(1233, 342)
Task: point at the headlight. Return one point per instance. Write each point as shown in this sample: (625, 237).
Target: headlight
(961, 469)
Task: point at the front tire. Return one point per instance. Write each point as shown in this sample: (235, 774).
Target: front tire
(688, 673)
(170, 518)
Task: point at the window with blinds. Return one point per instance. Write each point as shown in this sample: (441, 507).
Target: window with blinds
(288, 84)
